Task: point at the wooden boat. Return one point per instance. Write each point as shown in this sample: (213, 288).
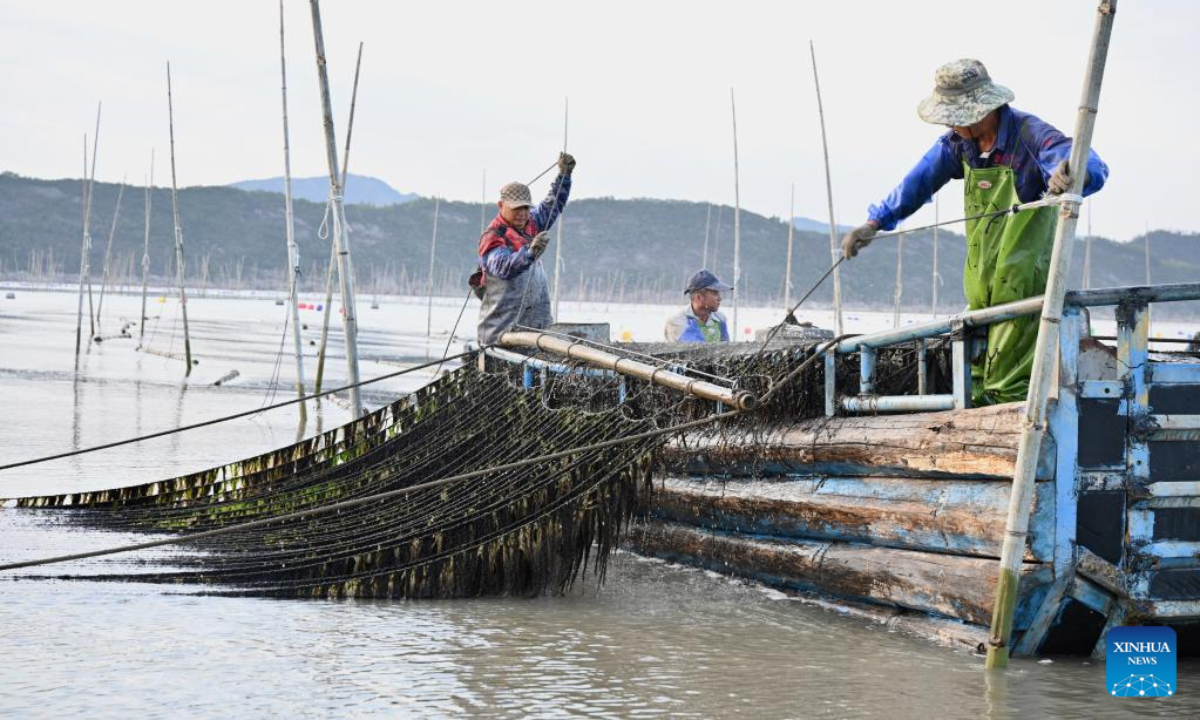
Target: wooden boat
(900, 515)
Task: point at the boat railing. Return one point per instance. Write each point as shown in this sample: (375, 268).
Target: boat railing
(965, 346)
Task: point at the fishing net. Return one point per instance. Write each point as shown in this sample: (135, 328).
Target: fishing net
(557, 455)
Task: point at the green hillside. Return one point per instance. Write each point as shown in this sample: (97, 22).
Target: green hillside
(638, 249)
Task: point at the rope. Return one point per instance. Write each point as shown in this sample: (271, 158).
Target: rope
(1047, 201)
(539, 175)
(336, 507)
(235, 416)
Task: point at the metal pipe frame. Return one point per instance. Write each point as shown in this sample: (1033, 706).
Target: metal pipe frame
(898, 403)
(972, 318)
(1173, 292)
(1029, 306)
(739, 399)
(866, 376)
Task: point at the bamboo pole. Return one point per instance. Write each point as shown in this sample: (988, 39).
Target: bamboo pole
(1046, 351)
(574, 349)
(432, 255)
(707, 221)
(1147, 243)
(787, 274)
(146, 252)
(1087, 252)
(85, 245)
(293, 251)
(112, 233)
(936, 278)
(716, 250)
(333, 246)
(338, 215)
(737, 220)
(558, 245)
(898, 292)
(187, 340)
(91, 194)
(834, 251)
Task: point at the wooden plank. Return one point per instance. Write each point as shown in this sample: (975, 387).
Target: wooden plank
(964, 517)
(953, 586)
(979, 442)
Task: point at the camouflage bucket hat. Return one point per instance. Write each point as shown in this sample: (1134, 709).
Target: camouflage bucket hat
(963, 95)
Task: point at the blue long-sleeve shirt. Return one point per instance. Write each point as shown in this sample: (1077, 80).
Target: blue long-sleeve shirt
(504, 263)
(1032, 151)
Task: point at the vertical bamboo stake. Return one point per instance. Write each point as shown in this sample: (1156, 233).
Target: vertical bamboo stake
(834, 250)
(1147, 243)
(85, 244)
(716, 249)
(146, 252)
(707, 221)
(91, 193)
(293, 251)
(787, 273)
(483, 204)
(187, 341)
(737, 221)
(432, 255)
(338, 215)
(1046, 351)
(558, 245)
(898, 292)
(112, 232)
(936, 277)
(1087, 251)
(333, 246)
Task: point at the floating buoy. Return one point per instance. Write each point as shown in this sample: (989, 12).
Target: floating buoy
(10, 296)
(278, 301)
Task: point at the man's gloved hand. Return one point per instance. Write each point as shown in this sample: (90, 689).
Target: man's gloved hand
(858, 238)
(1061, 180)
(566, 163)
(538, 245)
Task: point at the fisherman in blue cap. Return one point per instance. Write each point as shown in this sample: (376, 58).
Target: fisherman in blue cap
(700, 321)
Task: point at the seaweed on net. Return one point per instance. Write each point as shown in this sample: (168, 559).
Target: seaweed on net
(516, 531)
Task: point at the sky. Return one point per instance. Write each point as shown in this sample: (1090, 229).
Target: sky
(450, 90)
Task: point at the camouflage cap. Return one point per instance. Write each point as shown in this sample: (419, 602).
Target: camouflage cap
(516, 195)
(963, 95)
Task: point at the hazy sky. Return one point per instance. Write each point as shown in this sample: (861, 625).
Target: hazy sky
(450, 88)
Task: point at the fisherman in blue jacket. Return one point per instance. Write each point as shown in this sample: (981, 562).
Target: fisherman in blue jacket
(1004, 157)
(700, 322)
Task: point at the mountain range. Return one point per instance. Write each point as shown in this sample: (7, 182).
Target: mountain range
(635, 249)
(359, 190)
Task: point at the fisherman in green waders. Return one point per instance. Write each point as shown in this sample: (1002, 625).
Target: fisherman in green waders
(1004, 157)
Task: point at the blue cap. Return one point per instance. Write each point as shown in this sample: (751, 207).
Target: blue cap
(704, 280)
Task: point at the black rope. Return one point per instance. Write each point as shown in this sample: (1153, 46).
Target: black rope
(336, 507)
(215, 421)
